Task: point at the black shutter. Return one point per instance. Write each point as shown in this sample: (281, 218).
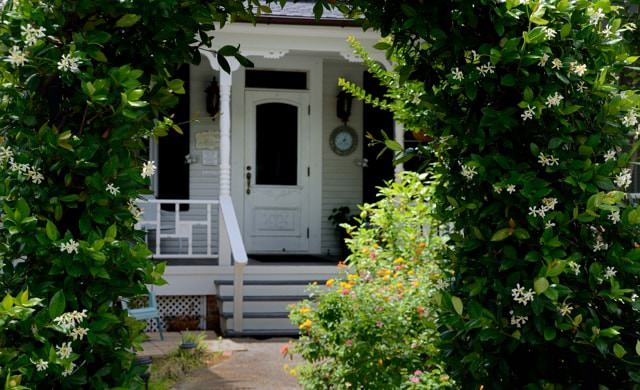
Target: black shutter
(173, 172)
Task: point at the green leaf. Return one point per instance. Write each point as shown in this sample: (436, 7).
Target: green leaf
(619, 351)
(23, 207)
(457, 304)
(609, 332)
(57, 304)
(521, 234)
(7, 302)
(382, 45)
(528, 94)
(501, 234)
(638, 347)
(535, 150)
(540, 285)
(393, 145)
(52, 231)
(549, 333)
(111, 233)
(128, 20)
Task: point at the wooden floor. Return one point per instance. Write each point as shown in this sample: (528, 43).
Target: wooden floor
(277, 259)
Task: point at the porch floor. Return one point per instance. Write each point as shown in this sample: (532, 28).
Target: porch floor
(275, 259)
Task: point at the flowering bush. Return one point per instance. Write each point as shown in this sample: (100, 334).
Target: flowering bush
(84, 84)
(374, 327)
(533, 138)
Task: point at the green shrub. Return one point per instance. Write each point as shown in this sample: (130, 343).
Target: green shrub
(375, 326)
(533, 134)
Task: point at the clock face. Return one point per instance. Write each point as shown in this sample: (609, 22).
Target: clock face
(343, 140)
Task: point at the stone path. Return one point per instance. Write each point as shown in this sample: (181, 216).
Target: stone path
(250, 364)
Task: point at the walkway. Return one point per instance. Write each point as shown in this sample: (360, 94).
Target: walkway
(250, 364)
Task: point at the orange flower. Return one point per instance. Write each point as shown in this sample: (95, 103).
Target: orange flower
(284, 350)
(330, 282)
(306, 325)
(341, 265)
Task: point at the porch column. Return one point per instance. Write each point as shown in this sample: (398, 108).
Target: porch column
(225, 133)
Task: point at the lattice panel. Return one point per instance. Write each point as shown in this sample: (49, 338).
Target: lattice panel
(176, 305)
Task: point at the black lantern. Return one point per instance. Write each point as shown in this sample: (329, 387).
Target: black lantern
(343, 108)
(213, 98)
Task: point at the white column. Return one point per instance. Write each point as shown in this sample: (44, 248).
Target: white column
(398, 135)
(225, 133)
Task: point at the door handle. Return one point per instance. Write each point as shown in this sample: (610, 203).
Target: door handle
(248, 183)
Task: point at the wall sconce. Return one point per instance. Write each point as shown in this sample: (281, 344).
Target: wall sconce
(343, 108)
(213, 98)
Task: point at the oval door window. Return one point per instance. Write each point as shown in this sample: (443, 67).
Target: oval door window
(276, 144)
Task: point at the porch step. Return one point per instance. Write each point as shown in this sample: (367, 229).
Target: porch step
(265, 305)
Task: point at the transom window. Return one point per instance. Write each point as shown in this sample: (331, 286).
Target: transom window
(275, 79)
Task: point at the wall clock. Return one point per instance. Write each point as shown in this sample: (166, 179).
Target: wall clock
(343, 140)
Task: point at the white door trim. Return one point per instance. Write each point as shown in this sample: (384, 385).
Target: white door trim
(313, 65)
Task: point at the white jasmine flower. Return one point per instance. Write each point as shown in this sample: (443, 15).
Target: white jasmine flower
(606, 32)
(518, 321)
(596, 16)
(70, 246)
(457, 74)
(135, 210)
(6, 154)
(17, 57)
(634, 297)
(35, 176)
(68, 321)
(636, 133)
(554, 100)
(527, 114)
(575, 267)
(533, 211)
(610, 272)
(40, 364)
(556, 63)
(549, 203)
(610, 155)
(600, 245)
(565, 309)
(30, 34)
(78, 333)
(442, 284)
(511, 188)
(549, 33)
(549, 224)
(581, 87)
(543, 59)
(64, 351)
(113, 190)
(468, 171)
(497, 189)
(472, 56)
(623, 179)
(521, 296)
(547, 161)
(69, 63)
(629, 27)
(580, 70)
(69, 370)
(148, 169)
(614, 216)
(630, 119)
(486, 69)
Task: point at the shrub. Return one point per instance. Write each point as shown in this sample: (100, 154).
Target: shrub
(533, 138)
(374, 327)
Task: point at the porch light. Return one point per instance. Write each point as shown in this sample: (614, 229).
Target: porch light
(343, 108)
(212, 102)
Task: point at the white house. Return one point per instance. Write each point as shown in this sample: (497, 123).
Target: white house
(242, 201)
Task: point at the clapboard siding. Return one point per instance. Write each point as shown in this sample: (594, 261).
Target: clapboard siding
(341, 175)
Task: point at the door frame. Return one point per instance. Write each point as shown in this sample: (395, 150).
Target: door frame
(313, 66)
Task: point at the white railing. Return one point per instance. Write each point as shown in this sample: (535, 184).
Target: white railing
(231, 241)
(170, 228)
(179, 226)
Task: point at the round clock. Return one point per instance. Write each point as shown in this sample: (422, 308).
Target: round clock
(343, 140)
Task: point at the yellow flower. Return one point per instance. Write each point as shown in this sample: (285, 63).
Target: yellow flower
(345, 285)
(330, 282)
(305, 310)
(399, 260)
(352, 277)
(306, 325)
(293, 372)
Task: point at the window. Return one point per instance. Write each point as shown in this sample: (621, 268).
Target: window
(276, 144)
(275, 79)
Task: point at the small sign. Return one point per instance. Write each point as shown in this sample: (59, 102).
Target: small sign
(206, 140)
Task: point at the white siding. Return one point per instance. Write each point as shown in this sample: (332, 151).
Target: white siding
(342, 176)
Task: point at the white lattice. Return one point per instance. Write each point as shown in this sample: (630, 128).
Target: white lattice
(176, 305)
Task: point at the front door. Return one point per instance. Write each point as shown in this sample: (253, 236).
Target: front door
(276, 189)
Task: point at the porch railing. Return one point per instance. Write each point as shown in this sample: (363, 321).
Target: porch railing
(170, 222)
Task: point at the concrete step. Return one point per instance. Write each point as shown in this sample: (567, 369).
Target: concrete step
(262, 324)
(265, 289)
(264, 333)
(257, 306)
